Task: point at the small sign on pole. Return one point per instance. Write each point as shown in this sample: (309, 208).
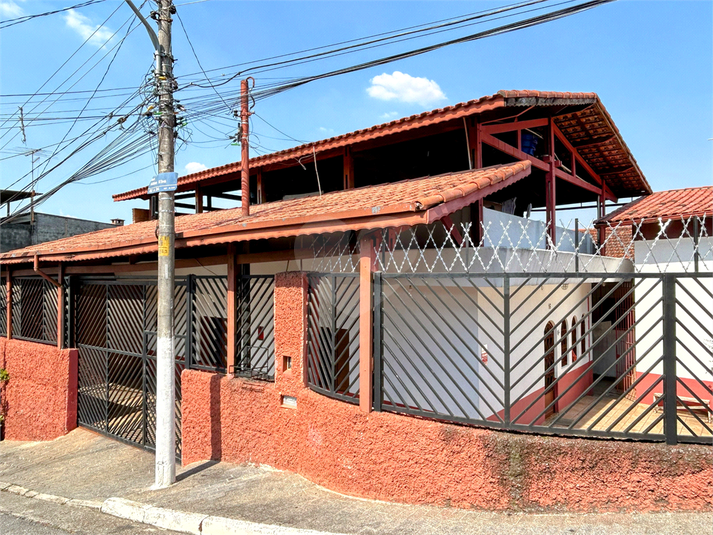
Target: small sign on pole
(163, 182)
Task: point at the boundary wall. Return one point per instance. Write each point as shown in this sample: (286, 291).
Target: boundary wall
(393, 457)
(40, 399)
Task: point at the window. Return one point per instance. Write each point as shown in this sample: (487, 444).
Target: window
(574, 338)
(563, 346)
(582, 334)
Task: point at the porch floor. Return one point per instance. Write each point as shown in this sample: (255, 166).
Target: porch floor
(608, 415)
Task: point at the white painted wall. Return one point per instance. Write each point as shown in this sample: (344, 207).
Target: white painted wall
(694, 332)
(439, 361)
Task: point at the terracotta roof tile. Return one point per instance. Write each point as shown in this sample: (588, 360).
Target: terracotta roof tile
(591, 124)
(670, 204)
(306, 214)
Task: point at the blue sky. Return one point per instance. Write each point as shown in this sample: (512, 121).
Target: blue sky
(651, 62)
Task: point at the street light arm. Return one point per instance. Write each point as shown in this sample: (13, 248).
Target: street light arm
(152, 34)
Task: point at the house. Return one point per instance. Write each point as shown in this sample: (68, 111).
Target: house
(387, 284)
(672, 233)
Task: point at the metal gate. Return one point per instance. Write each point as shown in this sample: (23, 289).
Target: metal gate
(115, 333)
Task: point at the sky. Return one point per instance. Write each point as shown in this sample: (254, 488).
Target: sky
(651, 62)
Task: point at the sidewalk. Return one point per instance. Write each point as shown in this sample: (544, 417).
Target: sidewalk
(87, 466)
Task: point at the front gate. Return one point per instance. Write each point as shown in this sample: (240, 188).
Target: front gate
(115, 333)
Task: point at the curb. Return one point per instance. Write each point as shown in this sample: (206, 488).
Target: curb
(197, 524)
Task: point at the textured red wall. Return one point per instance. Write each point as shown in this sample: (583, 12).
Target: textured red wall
(41, 395)
(405, 459)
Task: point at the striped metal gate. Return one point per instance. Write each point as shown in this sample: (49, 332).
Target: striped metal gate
(114, 328)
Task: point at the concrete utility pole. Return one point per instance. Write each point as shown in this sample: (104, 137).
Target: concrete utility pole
(165, 387)
(165, 364)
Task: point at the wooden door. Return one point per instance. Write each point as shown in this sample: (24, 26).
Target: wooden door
(549, 367)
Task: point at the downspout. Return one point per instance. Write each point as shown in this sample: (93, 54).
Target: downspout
(43, 274)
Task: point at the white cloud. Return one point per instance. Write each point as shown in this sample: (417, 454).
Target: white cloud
(194, 167)
(403, 87)
(328, 131)
(388, 115)
(97, 35)
(10, 9)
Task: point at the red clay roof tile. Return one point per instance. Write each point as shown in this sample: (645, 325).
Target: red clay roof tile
(307, 215)
(670, 204)
(629, 180)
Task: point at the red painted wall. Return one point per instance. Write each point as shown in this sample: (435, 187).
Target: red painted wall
(41, 396)
(693, 385)
(411, 460)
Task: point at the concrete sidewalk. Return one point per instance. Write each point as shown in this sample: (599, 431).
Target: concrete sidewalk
(87, 466)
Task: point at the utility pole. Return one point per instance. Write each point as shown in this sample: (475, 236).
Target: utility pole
(165, 363)
(245, 147)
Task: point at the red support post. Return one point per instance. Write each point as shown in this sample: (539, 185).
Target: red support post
(199, 200)
(366, 324)
(260, 196)
(232, 309)
(550, 182)
(348, 169)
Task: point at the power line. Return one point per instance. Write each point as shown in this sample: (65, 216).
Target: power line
(12, 22)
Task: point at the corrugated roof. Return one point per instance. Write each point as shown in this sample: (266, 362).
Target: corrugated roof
(355, 209)
(670, 204)
(606, 151)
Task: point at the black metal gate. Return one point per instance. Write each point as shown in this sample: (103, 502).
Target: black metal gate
(333, 335)
(115, 332)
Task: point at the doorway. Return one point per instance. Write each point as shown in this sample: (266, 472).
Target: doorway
(549, 367)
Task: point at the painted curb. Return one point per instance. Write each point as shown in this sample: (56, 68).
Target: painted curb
(122, 508)
(217, 525)
(174, 520)
(195, 523)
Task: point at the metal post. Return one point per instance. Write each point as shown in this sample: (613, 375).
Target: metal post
(506, 347)
(669, 359)
(60, 307)
(71, 292)
(696, 254)
(165, 391)
(378, 347)
(576, 242)
(8, 303)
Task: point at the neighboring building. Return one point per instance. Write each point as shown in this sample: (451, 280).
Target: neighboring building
(35, 227)
(392, 270)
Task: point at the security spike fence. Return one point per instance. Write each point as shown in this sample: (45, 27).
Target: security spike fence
(507, 243)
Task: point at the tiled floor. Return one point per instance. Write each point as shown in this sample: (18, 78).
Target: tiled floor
(625, 416)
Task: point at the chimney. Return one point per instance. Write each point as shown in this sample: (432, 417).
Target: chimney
(117, 222)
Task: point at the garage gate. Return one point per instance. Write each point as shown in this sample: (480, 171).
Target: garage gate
(113, 325)
(115, 333)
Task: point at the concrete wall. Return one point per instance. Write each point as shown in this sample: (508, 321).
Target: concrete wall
(46, 227)
(40, 399)
(411, 460)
